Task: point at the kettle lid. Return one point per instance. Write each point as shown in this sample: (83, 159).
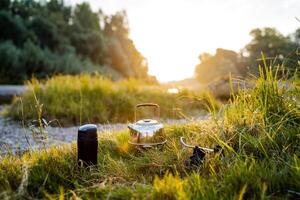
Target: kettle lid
(147, 122)
(146, 126)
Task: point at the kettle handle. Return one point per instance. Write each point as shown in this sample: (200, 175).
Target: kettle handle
(193, 146)
(146, 105)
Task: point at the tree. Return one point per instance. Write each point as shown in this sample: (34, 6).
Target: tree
(117, 25)
(275, 46)
(89, 44)
(48, 37)
(213, 66)
(86, 18)
(122, 53)
(10, 63)
(45, 31)
(12, 28)
(4, 4)
(295, 37)
(25, 9)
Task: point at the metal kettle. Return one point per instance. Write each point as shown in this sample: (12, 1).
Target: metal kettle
(147, 132)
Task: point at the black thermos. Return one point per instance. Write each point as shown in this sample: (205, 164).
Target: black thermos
(87, 144)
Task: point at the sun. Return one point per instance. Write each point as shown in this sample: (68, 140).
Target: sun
(172, 38)
(172, 33)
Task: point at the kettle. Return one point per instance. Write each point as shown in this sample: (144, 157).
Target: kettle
(147, 132)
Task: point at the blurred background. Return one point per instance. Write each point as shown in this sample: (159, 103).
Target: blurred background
(184, 44)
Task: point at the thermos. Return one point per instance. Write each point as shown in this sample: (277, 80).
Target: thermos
(87, 144)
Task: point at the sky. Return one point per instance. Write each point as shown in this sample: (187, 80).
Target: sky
(171, 34)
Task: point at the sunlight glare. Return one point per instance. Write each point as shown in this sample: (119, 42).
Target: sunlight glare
(172, 33)
(173, 91)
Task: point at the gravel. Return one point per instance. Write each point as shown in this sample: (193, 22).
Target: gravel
(14, 138)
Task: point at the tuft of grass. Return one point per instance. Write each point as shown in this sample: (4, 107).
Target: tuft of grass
(170, 187)
(265, 120)
(85, 98)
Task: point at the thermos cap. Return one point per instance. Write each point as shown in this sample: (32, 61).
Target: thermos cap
(87, 131)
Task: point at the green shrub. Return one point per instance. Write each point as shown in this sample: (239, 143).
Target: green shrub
(85, 98)
(10, 63)
(12, 28)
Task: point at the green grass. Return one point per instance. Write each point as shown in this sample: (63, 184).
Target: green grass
(258, 130)
(85, 98)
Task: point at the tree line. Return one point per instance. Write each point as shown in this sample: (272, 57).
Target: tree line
(43, 38)
(269, 42)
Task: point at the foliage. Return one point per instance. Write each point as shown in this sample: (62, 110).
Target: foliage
(218, 65)
(277, 48)
(12, 28)
(20, 64)
(10, 62)
(55, 35)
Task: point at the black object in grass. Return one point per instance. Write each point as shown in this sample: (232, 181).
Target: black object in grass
(87, 144)
(198, 156)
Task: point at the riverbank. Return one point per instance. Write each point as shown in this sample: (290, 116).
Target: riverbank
(79, 99)
(7, 92)
(17, 138)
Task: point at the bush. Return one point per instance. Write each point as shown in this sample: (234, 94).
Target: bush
(20, 64)
(34, 60)
(89, 44)
(86, 98)
(10, 67)
(12, 28)
(45, 31)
